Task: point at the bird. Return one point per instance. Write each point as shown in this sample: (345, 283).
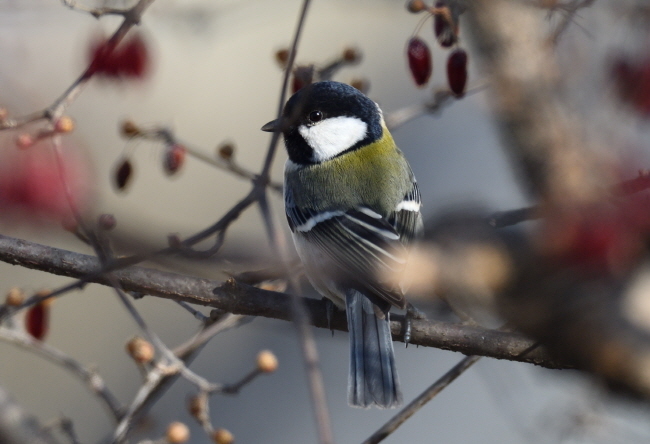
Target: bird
(353, 207)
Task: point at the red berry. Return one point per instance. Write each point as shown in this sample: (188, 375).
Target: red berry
(419, 58)
(444, 28)
(130, 59)
(174, 158)
(123, 174)
(632, 80)
(457, 71)
(37, 320)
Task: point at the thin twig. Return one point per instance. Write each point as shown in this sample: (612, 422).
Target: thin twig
(90, 377)
(421, 400)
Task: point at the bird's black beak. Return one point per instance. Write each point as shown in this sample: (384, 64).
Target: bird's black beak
(272, 126)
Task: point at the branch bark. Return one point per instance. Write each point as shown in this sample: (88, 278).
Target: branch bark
(238, 298)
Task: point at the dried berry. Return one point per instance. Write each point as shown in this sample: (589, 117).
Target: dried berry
(444, 27)
(419, 58)
(174, 158)
(632, 80)
(123, 174)
(457, 71)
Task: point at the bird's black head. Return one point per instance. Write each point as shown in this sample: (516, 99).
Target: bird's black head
(326, 119)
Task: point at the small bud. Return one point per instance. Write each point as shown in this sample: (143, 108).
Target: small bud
(415, 6)
(129, 129)
(282, 57)
(3, 114)
(174, 158)
(177, 433)
(197, 406)
(174, 241)
(140, 350)
(24, 141)
(123, 174)
(351, 55)
(362, 85)
(226, 151)
(64, 125)
(443, 25)
(106, 222)
(267, 362)
(222, 436)
(419, 58)
(457, 72)
(15, 297)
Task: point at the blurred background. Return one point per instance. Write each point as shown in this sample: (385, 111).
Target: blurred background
(213, 78)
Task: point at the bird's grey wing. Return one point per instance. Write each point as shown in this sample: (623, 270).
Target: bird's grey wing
(364, 247)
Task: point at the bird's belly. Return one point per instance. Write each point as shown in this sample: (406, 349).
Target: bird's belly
(320, 270)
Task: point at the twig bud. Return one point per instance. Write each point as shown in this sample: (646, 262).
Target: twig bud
(24, 141)
(177, 433)
(140, 350)
(282, 57)
(226, 150)
(64, 125)
(223, 436)
(15, 297)
(267, 362)
(129, 129)
(106, 222)
(415, 6)
(351, 55)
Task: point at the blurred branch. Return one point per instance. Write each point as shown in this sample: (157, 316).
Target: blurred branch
(91, 378)
(238, 298)
(421, 400)
(16, 427)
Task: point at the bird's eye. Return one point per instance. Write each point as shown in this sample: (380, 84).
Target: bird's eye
(315, 116)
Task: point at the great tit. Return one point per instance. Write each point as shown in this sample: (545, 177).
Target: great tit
(353, 206)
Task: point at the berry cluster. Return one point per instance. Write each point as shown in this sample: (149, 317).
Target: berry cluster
(446, 16)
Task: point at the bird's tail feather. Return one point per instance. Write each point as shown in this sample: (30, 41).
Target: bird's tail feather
(373, 378)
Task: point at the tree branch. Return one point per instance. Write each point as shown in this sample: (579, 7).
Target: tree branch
(235, 297)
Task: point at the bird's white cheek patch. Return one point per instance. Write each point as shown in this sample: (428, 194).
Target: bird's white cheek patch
(332, 136)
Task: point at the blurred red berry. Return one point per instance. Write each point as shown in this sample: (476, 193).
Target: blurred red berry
(129, 59)
(443, 27)
(457, 71)
(37, 320)
(34, 189)
(419, 58)
(632, 79)
(302, 76)
(174, 158)
(123, 174)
